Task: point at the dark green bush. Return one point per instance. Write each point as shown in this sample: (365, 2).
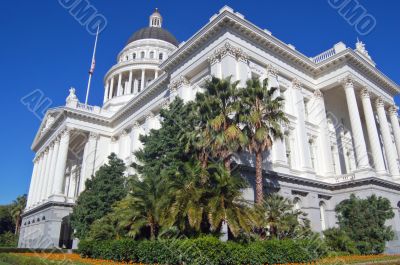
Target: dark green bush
(8, 239)
(206, 250)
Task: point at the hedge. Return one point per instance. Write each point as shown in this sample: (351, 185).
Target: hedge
(206, 250)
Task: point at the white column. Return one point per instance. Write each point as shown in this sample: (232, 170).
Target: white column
(129, 83)
(114, 145)
(242, 71)
(356, 128)
(42, 187)
(156, 74)
(373, 136)
(215, 67)
(317, 114)
(390, 151)
(111, 88)
(46, 190)
(394, 120)
(36, 186)
(119, 87)
(301, 132)
(61, 163)
(184, 90)
(90, 157)
(106, 91)
(33, 178)
(53, 166)
(135, 86)
(143, 80)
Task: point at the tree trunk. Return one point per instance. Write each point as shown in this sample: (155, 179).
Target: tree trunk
(152, 231)
(227, 164)
(259, 178)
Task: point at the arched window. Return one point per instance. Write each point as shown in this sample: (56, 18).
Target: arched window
(322, 208)
(126, 58)
(297, 203)
(134, 55)
(142, 55)
(160, 56)
(151, 55)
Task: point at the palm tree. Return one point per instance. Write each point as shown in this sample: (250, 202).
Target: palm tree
(262, 116)
(142, 207)
(281, 219)
(225, 202)
(218, 133)
(17, 209)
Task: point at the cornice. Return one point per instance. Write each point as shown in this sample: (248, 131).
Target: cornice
(271, 43)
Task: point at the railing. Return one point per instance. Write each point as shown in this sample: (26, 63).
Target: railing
(323, 56)
(344, 178)
(84, 107)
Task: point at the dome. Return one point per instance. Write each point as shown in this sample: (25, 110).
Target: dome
(157, 33)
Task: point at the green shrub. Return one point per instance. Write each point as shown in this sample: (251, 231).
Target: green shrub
(8, 239)
(337, 240)
(205, 250)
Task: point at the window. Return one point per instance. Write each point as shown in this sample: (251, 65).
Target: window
(312, 153)
(288, 151)
(151, 55)
(142, 55)
(134, 55)
(160, 56)
(322, 207)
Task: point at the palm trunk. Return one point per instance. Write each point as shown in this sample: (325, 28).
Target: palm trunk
(152, 231)
(227, 164)
(259, 178)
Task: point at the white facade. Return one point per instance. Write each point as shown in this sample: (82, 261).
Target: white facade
(343, 136)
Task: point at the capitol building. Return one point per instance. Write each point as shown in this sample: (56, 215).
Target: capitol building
(343, 134)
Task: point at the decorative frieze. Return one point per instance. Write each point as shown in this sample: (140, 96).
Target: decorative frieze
(228, 49)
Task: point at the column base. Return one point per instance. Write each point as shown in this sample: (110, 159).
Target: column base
(57, 198)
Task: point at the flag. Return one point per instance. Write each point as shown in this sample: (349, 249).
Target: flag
(91, 71)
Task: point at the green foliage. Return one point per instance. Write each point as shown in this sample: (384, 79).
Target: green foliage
(282, 220)
(102, 191)
(17, 209)
(8, 239)
(363, 220)
(337, 240)
(205, 250)
(6, 219)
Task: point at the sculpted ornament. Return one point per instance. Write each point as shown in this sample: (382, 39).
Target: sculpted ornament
(227, 49)
(180, 81)
(318, 94)
(296, 84)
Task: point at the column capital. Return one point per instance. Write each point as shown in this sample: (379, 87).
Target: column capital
(66, 132)
(365, 93)
(178, 82)
(272, 71)
(318, 94)
(150, 115)
(124, 132)
(228, 49)
(114, 138)
(347, 81)
(393, 110)
(135, 125)
(93, 135)
(296, 84)
(379, 102)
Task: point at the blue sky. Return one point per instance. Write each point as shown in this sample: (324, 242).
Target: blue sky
(43, 47)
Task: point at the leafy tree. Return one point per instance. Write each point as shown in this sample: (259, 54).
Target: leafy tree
(337, 240)
(17, 209)
(102, 191)
(281, 220)
(8, 239)
(6, 219)
(363, 220)
(262, 116)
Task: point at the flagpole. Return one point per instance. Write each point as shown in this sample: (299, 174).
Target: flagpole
(92, 67)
